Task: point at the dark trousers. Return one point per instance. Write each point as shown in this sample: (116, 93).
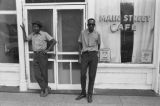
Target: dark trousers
(89, 60)
(41, 69)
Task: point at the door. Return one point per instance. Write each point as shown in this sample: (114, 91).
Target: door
(64, 23)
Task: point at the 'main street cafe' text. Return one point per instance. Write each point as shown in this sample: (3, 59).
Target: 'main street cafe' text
(127, 20)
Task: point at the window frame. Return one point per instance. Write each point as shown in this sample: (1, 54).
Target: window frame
(24, 1)
(10, 12)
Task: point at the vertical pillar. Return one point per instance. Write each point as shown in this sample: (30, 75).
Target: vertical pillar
(156, 57)
(23, 82)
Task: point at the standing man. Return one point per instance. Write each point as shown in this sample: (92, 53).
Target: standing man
(89, 45)
(39, 40)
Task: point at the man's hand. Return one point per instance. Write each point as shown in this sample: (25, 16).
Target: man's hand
(45, 51)
(79, 59)
(24, 32)
(22, 26)
(80, 52)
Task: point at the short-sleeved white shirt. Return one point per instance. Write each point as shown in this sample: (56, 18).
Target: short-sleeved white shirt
(39, 41)
(90, 41)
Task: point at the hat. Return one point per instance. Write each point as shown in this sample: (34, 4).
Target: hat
(37, 23)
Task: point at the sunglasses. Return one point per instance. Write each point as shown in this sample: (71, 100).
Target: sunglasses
(91, 24)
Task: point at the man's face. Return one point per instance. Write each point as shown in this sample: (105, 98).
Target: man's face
(36, 28)
(91, 25)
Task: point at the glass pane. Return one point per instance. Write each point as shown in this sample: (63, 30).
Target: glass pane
(31, 55)
(52, 1)
(7, 4)
(45, 16)
(75, 73)
(63, 73)
(50, 72)
(32, 78)
(70, 24)
(8, 39)
(127, 32)
(68, 57)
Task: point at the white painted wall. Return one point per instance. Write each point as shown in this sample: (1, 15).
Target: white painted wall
(124, 78)
(9, 75)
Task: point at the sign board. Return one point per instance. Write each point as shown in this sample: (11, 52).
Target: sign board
(146, 56)
(105, 55)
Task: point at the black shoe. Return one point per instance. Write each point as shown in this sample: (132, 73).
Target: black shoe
(89, 98)
(41, 93)
(44, 93)
(81, 96)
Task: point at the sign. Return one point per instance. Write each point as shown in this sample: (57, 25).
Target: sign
(146, 56)
(126, 19)
(105, 55)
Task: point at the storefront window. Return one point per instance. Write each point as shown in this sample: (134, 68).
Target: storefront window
(52, 1)
(127, 30)
(8, 32)
(7, 4)
(8, 39)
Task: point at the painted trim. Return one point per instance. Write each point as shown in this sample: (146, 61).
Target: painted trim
(8, 12)
(156, 57)
(54, 4)
(22, 75)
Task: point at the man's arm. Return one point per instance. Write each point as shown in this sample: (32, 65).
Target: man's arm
(80, 51)
(51, 44)
(99, 46)
(24, 32)
(99, 41)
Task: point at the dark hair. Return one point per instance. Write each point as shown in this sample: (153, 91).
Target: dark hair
(37, 23)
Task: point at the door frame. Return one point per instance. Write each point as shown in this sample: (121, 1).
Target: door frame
(55, 8)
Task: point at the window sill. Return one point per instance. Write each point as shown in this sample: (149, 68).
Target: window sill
(125, 65)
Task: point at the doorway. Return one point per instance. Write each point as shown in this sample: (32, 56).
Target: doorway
(64, 23)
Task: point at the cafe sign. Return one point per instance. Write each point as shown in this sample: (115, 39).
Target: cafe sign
(126, 19)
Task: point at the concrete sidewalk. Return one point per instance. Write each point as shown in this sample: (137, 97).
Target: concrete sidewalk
(33, 99)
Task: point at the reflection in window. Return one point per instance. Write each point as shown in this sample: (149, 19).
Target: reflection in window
(52, 1)
(8, 39)
(7, 4)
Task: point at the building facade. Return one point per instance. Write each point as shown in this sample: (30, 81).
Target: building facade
(129, 31)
